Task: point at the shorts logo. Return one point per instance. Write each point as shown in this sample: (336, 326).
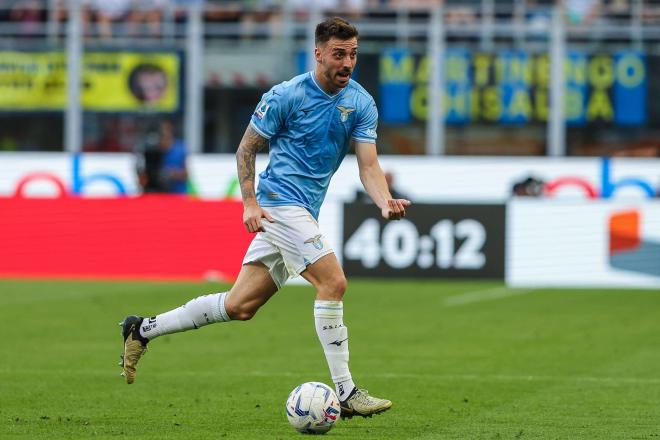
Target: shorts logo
(261, 110)
(344, 112)
(316, 242)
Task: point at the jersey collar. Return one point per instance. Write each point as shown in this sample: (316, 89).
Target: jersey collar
(318, 86)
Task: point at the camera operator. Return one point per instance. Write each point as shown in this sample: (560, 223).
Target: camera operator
(162, 162)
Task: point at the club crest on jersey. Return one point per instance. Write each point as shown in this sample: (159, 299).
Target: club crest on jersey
(316, 242)
(344, 112)
(261, 110)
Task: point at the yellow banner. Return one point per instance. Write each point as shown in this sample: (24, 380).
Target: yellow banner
(111, 81)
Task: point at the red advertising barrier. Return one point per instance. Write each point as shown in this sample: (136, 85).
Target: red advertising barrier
(148, 237)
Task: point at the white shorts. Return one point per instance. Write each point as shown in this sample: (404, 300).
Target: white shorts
(289, 245)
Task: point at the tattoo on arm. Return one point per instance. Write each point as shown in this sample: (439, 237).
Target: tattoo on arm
(246, 154)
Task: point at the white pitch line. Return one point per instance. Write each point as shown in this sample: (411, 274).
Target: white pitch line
(484, 377)
(525, 378)
(409, 376)
(484, 295)
(489, 377)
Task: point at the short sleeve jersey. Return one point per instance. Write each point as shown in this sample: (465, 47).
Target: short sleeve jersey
(309, 133)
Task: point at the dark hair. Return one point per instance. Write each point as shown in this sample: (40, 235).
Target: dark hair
(334, 27)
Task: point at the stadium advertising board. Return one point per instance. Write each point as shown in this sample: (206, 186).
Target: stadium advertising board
(111, 81)
(463, 179)
(512, 87)
(442, 241)
(150, 237)
(422, 179)
(62, 175)
(598, 243)
(548, 238)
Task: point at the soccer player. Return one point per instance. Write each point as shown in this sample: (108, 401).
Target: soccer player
(308, 123)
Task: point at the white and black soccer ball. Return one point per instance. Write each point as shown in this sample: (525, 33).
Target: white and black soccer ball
(312, 408)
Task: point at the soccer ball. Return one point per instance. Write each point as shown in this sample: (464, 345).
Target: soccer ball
(312, 408)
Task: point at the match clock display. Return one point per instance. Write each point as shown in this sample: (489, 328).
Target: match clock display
(433, 240)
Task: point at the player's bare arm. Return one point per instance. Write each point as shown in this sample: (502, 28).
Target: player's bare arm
(373, 180)
(246, 155)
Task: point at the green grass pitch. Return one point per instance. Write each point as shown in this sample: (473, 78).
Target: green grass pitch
(460, 360)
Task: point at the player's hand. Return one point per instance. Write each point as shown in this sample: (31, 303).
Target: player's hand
(395, 209)
(252, 215)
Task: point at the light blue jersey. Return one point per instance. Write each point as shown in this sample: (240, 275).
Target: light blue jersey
(309, 132)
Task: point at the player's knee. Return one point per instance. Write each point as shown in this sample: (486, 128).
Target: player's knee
(341, 285)
(240, 312)
(337, 286)
(245, 315)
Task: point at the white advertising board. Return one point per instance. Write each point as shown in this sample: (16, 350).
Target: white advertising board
(422, 179)
(464, 179)
(49, 174)
(595, 243)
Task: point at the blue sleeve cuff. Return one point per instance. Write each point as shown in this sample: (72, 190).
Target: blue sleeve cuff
(365, 140)
(258, 130)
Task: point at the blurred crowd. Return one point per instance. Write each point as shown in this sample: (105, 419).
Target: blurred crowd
(110, 18)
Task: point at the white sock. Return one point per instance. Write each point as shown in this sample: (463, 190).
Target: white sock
(328, 316)
(195, 313)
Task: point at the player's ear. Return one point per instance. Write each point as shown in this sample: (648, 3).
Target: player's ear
(317, 54)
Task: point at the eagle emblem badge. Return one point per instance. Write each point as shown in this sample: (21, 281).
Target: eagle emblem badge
(344, 112)
(316, 242)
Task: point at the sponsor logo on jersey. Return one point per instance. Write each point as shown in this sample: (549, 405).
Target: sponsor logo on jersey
(344, 112)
